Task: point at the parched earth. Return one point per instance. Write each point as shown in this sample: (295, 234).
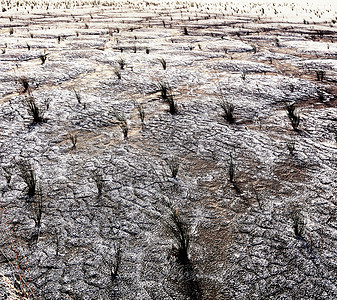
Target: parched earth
(219, 193)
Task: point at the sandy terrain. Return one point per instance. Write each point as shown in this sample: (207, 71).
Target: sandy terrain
(176, 150)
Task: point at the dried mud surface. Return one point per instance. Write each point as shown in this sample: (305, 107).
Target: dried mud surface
(102, 199)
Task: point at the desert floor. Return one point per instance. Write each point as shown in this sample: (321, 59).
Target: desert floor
(167, 151)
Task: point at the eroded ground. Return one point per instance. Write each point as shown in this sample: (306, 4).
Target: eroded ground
(256, 197)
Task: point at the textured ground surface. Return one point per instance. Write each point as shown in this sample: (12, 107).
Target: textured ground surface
(103, 231)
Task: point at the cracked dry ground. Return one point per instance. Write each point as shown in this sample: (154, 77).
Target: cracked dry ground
(256, 197)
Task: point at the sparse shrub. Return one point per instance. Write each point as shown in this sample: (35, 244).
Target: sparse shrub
(228, 109)
(118, 73)
(11, 30)
(231, 170)
(277, 42)
(172, 105)
(43, 58)
(33, 109)
(177, 227)
(166, 96)
(298, 223)
(78, 96)
(37, 206)
(98, 178)
(28, 47)
(293, 116)
(23, 80)
(185, 31)
(112, 264)
(291, 147)
(163, 63)
(115, 263)
(320, 75)
(121, 63)
(173, 164)
(122, 122)
(27, 173)
(73, 139)
(141, 113)
(163, 89)
(147, 50)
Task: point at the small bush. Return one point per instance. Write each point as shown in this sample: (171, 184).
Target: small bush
(23, 80)
(291, 147)
(277, 42)
(98, 178)
(173, 164)
(113, 264)
(164, 90)
(163, 63)
(34, 110)
(298, 223)
(293, 116)
(122, 122)
(73, 139)
(121, 63)
(166, 96)
(320, 75)
(118, 73)
(78, 96)
(231, 170)
(172, 105)
(178, 228)
(37, 206)
(228, 109)
(27, 173)
(43, 58)
(141, 113)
